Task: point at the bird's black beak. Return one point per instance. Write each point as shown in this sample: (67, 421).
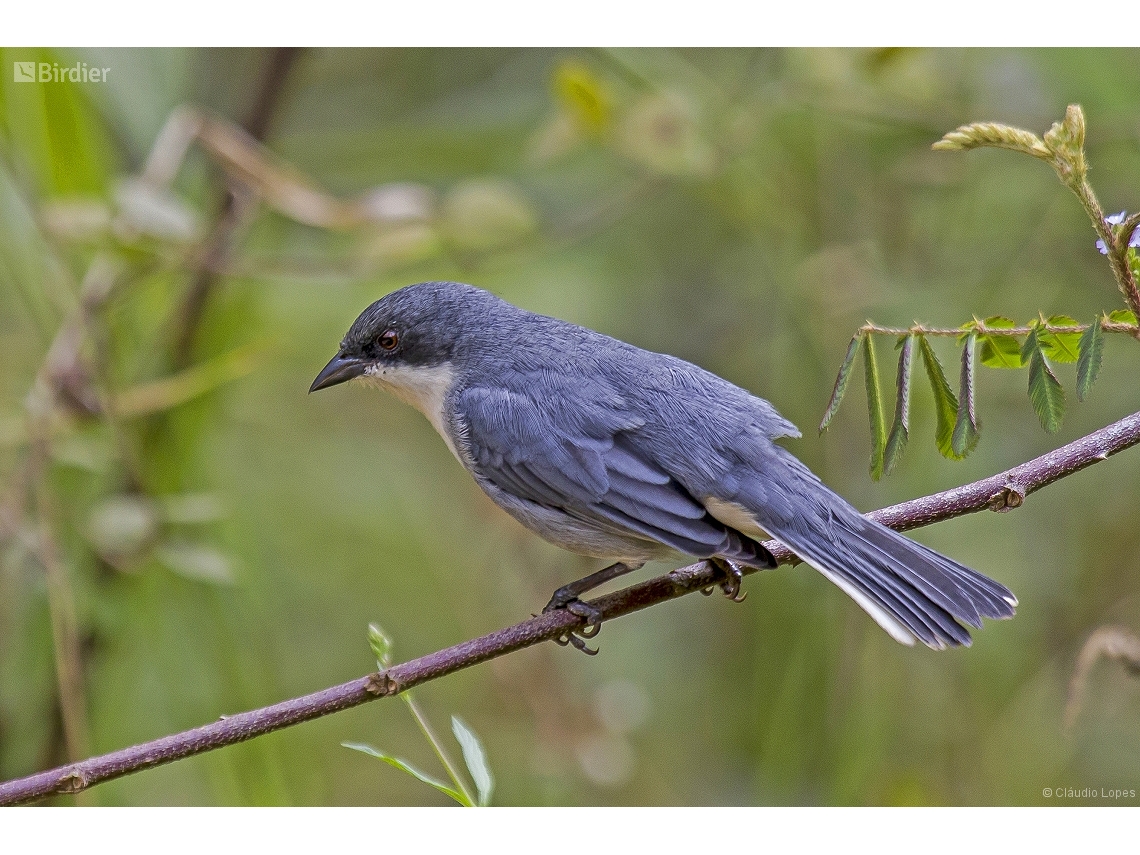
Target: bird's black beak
(339, 370)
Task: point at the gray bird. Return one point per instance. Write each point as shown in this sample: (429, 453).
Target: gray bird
(615, 452)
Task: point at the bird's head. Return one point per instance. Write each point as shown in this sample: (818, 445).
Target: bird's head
(413, 336)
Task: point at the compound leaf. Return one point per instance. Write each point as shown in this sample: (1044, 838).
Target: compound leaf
(841, 382)
(1062, 347)
(945, 404)
(965, 436)
(874, 409)
(1045, 392)
(900, 432)
(1088, 363)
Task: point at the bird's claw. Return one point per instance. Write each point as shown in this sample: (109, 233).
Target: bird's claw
(730, 585)
(593, 625)
(577, 643)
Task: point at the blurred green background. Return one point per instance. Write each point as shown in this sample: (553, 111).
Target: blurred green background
(225, 539)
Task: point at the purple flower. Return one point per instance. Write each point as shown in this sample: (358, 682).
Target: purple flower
(1116, 220)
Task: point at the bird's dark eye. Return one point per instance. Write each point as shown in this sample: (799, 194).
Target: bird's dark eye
(388, 339)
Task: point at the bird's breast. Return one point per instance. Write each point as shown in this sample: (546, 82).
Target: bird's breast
(424, 387)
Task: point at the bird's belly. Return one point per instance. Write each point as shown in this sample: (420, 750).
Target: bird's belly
(576, 535)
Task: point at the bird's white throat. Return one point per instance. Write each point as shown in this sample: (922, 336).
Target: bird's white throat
(423, 388)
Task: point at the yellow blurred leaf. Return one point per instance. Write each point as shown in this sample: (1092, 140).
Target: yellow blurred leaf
(583, 95)
(158, 395)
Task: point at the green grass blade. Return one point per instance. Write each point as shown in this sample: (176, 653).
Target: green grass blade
(874, 409)
(1088, 363)
(945, 404)
(965, 436)
(841, 382)
(405, 766)
(900, 428)
(476, 759)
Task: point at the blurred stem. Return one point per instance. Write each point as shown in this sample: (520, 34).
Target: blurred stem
(64, 630)
(63, 375)
(233, 212)
(1108, 642)
(66, 649)
(440, 751)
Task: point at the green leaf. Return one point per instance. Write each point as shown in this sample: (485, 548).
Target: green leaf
(1045, 392)
(476, 759)
(1088, 365)
(945, 404)
(1062, 347)
(965, 436)
(841, 382)
(405, 766)
(874, 408)
(900, 432)
(381, 645)
(1000, 351)
(997, 322)
(1122, 316)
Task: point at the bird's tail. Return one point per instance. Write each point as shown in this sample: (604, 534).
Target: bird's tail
(909, 589)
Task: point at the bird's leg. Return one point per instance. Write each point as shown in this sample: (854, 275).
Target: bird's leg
(733, 577)
(567, 596)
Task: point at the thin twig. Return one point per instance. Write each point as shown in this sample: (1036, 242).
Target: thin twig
(1110, 642)
(980, 328)
(1000, 492)
(440, 751)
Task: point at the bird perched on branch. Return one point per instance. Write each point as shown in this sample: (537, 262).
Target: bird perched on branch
(618, 453)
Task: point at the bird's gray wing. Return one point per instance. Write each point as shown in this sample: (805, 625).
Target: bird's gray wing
(581, 457)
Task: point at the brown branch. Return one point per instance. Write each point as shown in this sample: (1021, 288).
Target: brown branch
(1000, 492)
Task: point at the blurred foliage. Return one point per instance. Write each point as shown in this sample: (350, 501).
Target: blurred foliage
(225, 540)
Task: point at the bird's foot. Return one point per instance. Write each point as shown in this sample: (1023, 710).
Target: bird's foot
(567, 597)
(592, 616)
(733, 576)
